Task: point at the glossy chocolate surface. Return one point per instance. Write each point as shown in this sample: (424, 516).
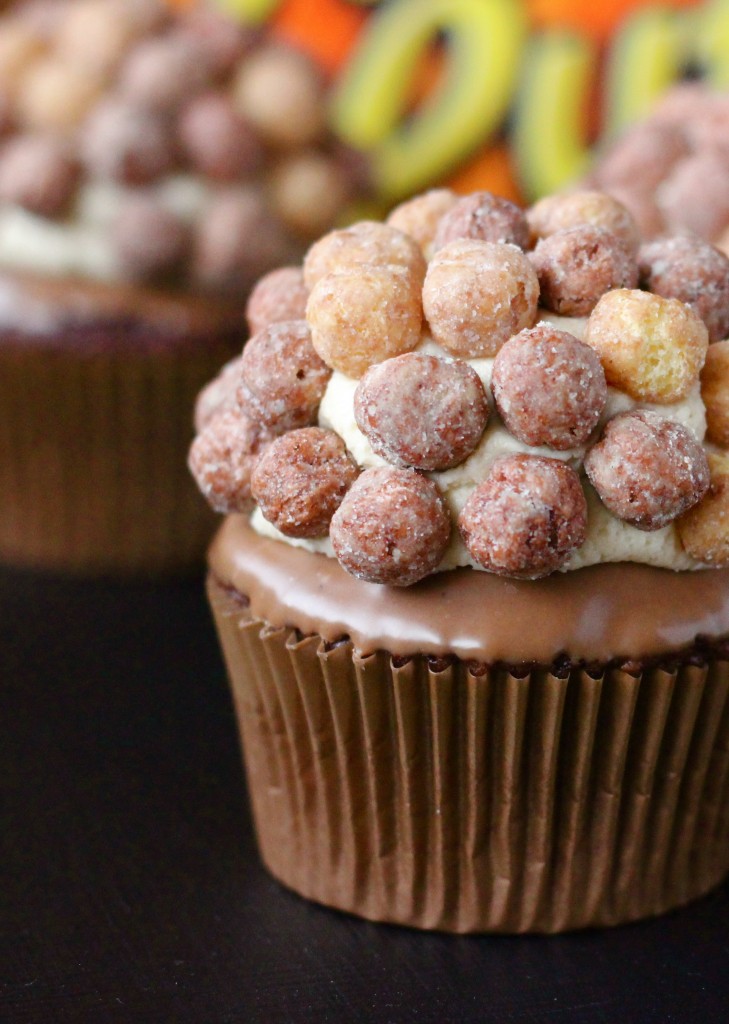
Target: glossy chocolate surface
(604, 612)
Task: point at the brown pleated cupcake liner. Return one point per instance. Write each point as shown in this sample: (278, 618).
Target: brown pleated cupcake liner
(93, 449)
(440, 796)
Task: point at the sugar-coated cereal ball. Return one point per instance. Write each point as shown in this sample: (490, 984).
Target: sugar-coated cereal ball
(392, 527)
(578, 265)
(236, 240)
(300, 480)
(217, 140)
(41, 17)
(55, 96)
(642, 206)
(715, 393)
(222, 40)
(219, 394)
(556, 213)
(549, 388)
(704, 529)
(39, 173)
(646, 469)
(680, 104)
(689, 269)
(125, 143)
(280, 295)
(420, 411)
(709, 128)
(526, 518)
(307, 190)
(650, 347)
(282, 377)
(364, 314)
(419, 217)
(146, 15)
(222, 458)
(20, 47)
(364, 242)
(149, 240)
(477, 295)
(355, 165)
(7, 117)
(695, 196)
(94, 34)
(281, 93)
(161, 72)
(483, 216)
(644, 154)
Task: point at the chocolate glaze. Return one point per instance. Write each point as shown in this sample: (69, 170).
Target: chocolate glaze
(93, 315)
(606, 612)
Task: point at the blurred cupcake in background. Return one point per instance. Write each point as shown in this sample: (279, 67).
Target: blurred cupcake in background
(153, 164)
(672, 169)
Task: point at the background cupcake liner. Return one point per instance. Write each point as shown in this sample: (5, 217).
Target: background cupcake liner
(418, 792)
(93, 448)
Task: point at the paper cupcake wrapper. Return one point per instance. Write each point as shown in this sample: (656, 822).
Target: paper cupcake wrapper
(423, 794)
(93, 449)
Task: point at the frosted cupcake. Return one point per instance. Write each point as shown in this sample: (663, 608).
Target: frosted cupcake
(472, 587)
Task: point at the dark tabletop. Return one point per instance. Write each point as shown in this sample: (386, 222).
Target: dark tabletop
(132, 889)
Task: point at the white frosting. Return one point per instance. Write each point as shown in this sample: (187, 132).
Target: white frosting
(322, 544)
(608, 539)
(81, 245)
(28, 242)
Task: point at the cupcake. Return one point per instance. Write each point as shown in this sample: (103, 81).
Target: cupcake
(153, 164)
(473, 583)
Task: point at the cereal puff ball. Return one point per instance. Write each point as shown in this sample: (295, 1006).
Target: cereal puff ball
(163, 144)
(671, 170)
(423, 401)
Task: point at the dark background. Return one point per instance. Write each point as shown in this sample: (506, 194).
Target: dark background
(131, 889)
